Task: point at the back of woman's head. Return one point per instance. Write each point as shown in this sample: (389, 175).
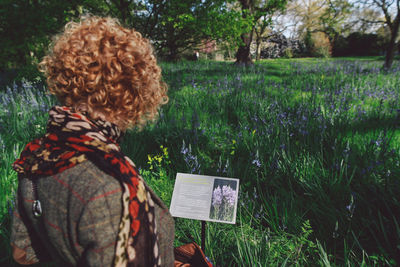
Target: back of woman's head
(107, 69)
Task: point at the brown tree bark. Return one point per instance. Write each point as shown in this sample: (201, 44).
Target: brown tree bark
(172, 55)
(258, 52)
(389, 53)
(252, 7)
(394, 29)
(123, 9)
(243, 53)
(393, 26)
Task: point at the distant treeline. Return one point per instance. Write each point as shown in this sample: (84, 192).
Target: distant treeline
(359, 44)
(177, 29)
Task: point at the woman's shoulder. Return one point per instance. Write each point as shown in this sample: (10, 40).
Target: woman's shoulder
(87, 172)
(82, 202)
(90, 180)
(82, 182)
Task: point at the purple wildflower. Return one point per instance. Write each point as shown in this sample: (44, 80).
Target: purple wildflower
(217, 197)
(190, 159)
(229, 195)
(257, 163)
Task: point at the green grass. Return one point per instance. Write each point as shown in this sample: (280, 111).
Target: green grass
(315, 144)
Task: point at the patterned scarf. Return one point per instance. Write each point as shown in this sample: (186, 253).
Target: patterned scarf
(72, 138)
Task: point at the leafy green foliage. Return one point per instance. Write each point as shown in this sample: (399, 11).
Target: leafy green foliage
(177, 26)
(253, 10)
(25, 31)
(26, 27)
(334, 18)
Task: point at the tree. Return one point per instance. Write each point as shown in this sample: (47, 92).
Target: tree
(329, 16)
(175, 27)
(269, 27)
(178, 26)
(253, 10)
(260, 30)
(391, 14)
(366, 19)
(335, 19)
(25, 30)
(318, 20)
(307, 13)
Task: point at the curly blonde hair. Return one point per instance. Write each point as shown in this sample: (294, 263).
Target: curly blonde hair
(107, 69)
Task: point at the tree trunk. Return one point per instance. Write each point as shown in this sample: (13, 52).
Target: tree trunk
(258, 52)
(172, 53)
(389, 54)
(230, 53)
(391, 47)
(243, 53)
(172, 56)
(123, 8)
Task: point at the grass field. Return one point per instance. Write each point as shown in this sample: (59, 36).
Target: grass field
(315, 144)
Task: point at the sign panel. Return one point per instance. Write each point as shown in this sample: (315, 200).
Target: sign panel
(206, 198)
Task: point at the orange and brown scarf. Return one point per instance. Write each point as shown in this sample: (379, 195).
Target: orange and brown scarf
(72, 138)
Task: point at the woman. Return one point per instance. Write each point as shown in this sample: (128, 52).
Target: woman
(80, 201)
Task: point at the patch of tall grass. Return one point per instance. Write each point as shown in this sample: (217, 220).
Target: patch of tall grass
(315, 144)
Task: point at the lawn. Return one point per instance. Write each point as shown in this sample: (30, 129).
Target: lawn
(314, 142)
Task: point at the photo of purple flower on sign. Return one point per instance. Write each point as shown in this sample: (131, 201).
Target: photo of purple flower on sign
(224, 197)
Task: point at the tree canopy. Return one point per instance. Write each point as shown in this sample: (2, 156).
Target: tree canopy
(26, 27)
(179, 27)
(253, 10)
(173, 27)
(390, 10)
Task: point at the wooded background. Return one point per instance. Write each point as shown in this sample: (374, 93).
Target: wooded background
(178, 29)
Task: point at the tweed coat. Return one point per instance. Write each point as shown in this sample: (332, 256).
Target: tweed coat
(82, 209)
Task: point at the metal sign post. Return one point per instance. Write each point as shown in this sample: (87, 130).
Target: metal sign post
(203, 236)
(195, 197)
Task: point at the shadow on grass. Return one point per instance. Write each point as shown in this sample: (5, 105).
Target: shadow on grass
(187, 72)
(371, 125)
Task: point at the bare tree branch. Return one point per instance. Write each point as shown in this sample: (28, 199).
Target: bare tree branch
(373, 21)
(384, 6)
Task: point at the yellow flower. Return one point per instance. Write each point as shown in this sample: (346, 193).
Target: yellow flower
(165, 151)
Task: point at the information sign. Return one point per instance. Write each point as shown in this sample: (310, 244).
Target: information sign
(206, 198)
